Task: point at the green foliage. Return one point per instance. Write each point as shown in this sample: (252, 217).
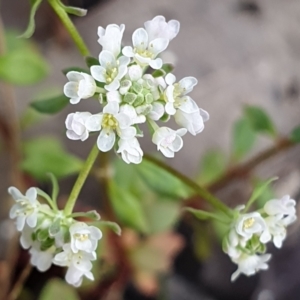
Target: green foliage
(258, 191)
(128, 208)
(76, 11)
(58, 289)
(213, 165)
(243, 138)
(46, 154)
(162, 182)
(111, 225)
(266, 195)
(31, 24)
(51, 105)
(75, 69)
(295, 135)
(168, 68)
(158, 211)
(91, 61)
(158, 73)
(162, 216)
(260, 121)
(22, 65)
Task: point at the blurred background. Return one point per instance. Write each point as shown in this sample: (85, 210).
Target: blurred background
(243, 52)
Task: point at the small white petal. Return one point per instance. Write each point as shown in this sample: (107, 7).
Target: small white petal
(106, 140)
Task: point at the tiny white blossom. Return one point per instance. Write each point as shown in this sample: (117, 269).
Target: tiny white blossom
(145, 51)
(84, 237)
(130, 150)
(283, 206)
(26, 208)
(111, 70)
(111, 38)
(76, 128)
(157, 111)
(130, 111)
(79, 264)
(159, 28)
(168, 141)
(42, 260)
(26, 237)
(250, 264)
(110, 122)
(251, 224)
(231, 243)
(193, 122)
(80, 86)
(175, 94)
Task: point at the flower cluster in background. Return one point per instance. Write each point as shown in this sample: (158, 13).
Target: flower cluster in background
(53, 238)
(130, 97)
(250, 232)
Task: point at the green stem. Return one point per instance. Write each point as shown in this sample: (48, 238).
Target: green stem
(64, 17)
(202, 192)
(80, 180)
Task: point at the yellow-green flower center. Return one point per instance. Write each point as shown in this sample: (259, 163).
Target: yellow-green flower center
(109, 122)
(248, 223)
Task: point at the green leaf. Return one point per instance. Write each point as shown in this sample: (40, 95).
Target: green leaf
(162, 215)
(168, 68)
(75, 69)
(23, 67)
(203, 215)
(267, 194)
(260, 121)
(55, 187)
(92, 214)
(52, 105)
(295, 135)
(46, 154)
(31, 24)
(243, 138)
(162, 182)
(111, 225)
(213, 165)
(77, 11)
(258, 191)
(58, 289)
(91, 61)
(158, 73)
(127, 208)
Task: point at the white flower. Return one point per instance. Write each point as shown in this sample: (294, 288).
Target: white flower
(79, 264)
(251, 224)
(42, 260)
(109, 122)
(26, 237)
(111, 38)
(250, 264)
(157, 111)
(84, 237)
(130, 111)
(231, 243)
(168, 141)
(193, 122)
(159, 28)
(111, 70)
(130, 150)
(175, 94)
(145, 51)
(76, 128)
(277, 229)
(80, 86)
(283, 207)
(26, 208)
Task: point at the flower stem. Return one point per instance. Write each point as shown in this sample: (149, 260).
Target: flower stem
(64, 17)
(202, 192)
(80, 180)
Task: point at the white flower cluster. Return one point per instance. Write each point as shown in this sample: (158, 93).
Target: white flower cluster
(246, 242)
(130, 97)
(54, 238)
